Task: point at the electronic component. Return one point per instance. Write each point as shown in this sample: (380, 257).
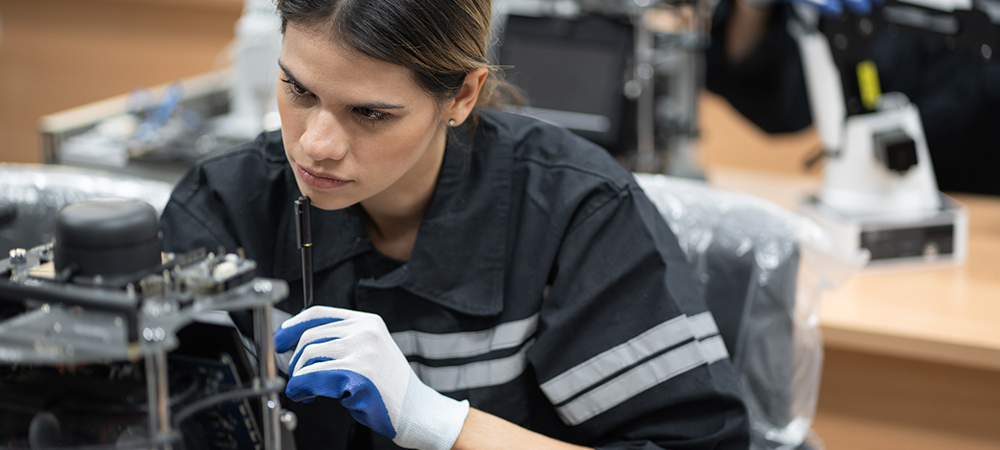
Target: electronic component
(91, 351)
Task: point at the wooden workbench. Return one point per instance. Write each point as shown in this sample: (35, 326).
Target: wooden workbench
(912, 357)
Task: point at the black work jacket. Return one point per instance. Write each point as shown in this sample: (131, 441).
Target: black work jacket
(544, 287)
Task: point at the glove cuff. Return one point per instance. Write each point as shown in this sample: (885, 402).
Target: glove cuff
(429, 420)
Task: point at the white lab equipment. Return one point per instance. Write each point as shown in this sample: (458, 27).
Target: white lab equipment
(879, 193)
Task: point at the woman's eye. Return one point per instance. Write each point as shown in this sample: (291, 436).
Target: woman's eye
(295, 89)
(370, 115)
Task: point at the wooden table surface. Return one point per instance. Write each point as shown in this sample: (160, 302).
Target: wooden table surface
(912, 357)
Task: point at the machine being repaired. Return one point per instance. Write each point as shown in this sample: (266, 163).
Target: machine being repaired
(879, 191)
(103, 343)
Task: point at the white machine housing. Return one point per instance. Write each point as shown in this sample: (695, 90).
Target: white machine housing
(897, 215)
(858, 183)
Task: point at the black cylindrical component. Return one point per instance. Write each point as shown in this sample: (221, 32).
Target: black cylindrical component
(307, 277)
(303, 228)
(44, 431)
(107, 237)
(303, 233)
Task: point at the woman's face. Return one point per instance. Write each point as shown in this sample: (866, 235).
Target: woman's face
(355, 129)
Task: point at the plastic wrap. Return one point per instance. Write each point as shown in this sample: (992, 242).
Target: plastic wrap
(761, 269)
(32, 194)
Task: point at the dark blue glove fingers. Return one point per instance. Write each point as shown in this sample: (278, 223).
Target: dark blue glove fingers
(286, 339)
(356, 392)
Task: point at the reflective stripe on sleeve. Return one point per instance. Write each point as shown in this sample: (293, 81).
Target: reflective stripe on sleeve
(714, 348)
(599, 393)
(466, 344)
(596, 369)
(474, 375)
(636, 380)
(703, 325)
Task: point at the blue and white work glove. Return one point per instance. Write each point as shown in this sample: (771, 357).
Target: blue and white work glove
(349, 355)
(828, 7)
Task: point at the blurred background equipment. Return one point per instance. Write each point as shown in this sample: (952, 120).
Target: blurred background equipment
(161, 131)
(572, 71)
(623, 74)
(254, 107)
(879, 191)
(32, 194)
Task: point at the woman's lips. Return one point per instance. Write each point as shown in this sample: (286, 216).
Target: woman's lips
(319, 181)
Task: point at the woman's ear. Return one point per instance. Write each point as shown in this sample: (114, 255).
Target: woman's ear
(462, 105)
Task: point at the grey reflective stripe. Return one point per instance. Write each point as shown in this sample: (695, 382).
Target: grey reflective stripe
(714, 349)
(703, 325)
(596, 369)
(474, 375)
(466, 344)
(606, 393)
(633, 382)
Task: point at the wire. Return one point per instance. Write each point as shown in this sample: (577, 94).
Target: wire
(217, 399)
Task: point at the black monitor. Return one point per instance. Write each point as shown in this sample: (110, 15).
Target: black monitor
(573, 73)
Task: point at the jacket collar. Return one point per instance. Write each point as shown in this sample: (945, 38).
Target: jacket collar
(458, 258)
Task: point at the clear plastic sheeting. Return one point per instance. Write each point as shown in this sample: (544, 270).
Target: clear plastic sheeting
(32, 194)
(762, 270)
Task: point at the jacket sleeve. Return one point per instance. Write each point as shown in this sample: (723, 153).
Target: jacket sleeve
(626, 351)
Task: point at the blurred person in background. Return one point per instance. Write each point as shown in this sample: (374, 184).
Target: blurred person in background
(755, 63)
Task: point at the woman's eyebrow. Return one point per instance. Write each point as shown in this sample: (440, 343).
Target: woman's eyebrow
(378, 105)
(370, 105)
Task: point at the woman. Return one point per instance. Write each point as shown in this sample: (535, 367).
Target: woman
(486, 280)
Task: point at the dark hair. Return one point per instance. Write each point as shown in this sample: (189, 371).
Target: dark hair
(439, 40)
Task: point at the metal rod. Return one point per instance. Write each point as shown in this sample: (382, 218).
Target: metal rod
(646, 155)
(71, 295)
(303, 232)
(157, 390)
(270, 405)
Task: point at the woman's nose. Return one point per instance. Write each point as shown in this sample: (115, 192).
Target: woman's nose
(325, 137)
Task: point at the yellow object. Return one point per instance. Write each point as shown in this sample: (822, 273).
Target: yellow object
(868, 84)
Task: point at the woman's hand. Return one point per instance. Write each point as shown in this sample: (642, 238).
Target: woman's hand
(350, 356)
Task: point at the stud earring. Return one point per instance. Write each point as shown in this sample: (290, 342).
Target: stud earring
(451, 122)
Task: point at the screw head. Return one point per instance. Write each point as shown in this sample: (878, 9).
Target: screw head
(18, 256)
(288, 420)
(866, 26)
(262, 287)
